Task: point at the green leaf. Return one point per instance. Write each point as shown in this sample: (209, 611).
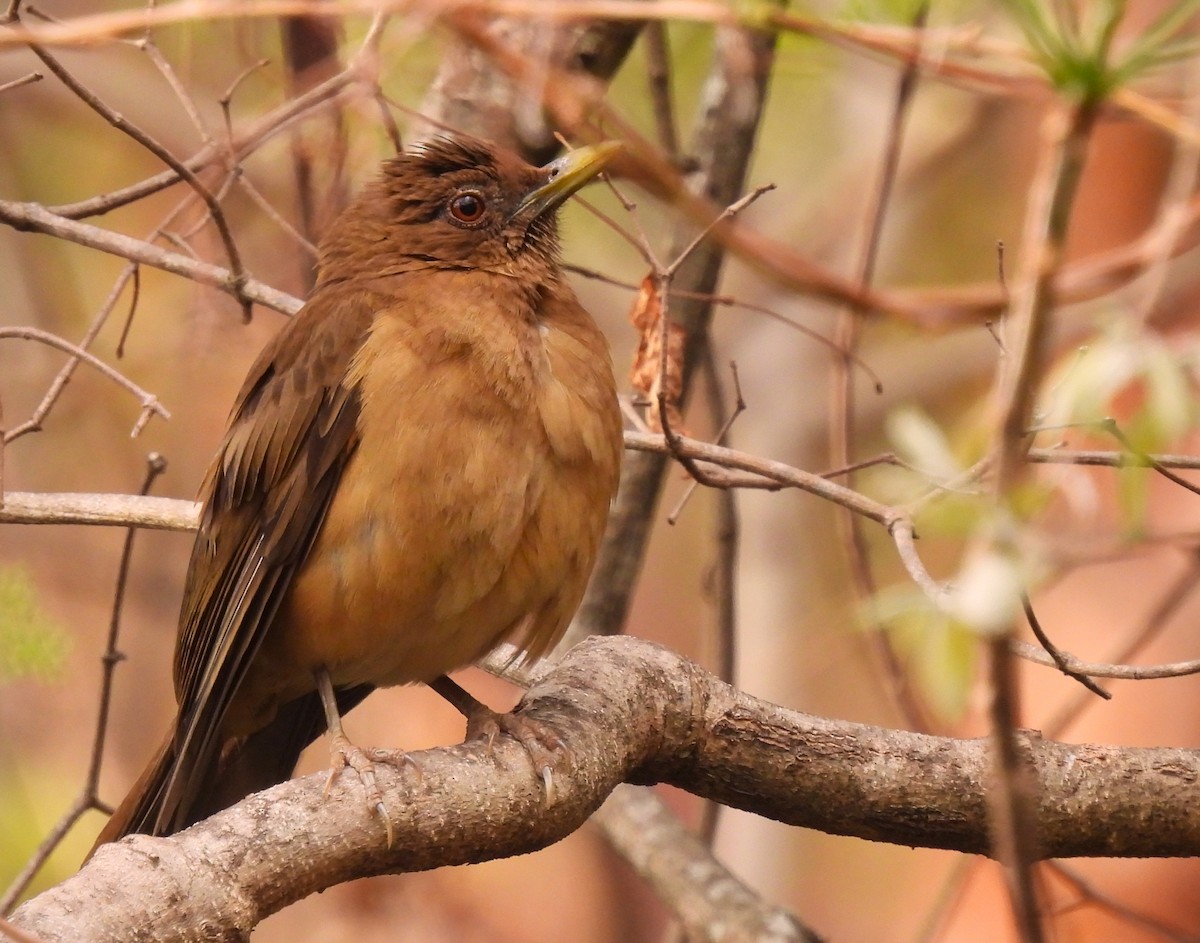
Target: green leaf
(940, 655)
(31, 643)
(921, 442)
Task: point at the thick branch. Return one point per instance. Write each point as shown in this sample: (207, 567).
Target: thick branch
(629, 711)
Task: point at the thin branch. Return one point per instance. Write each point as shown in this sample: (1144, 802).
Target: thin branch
(1070, 664)
(904, 538)
(121, 510)
(23, 80)
(713, 380)
(150, 404)
(238, 275)
(1058, 657)
(89, 795)
(256, 134)
(63, 377)
(712, 903)
(775, 471)
(32, 217)
(842, 405)
(1111, 427)
(1108, 459)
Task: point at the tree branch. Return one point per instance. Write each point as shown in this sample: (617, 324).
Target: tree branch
(630, 711)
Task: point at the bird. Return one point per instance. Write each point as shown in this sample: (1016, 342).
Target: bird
(417, 468)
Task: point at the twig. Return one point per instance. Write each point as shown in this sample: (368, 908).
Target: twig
(1156, 461)
(59, 383)
(775, 471)
(121, 510)
(89, 795)
(150, 403)
(33, 217)
(1110, 426)
(1104, 902)
(1179, 591)
(714, 385)
(1069, 664)
(135, 276)
(23, 80)
(658, 78)
(238, 277)
(1058, 657)
(904, 538)
(259, 132)
(842, 412)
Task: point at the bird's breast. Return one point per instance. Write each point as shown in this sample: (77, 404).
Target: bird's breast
(471, 510)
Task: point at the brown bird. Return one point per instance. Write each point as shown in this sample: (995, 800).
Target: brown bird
(418, 467)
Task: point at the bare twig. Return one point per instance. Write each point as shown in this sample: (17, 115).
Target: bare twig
(121, 510)
(1057, 656)
(33, 217)
(150, 404)
(842, 392)
(1069, 664)
(238, 275)
(1068, 131)
(23, 80)
(1089, 895)
(89, 795)
(713, 380)
(658, 78)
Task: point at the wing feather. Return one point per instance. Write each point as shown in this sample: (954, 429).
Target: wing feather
(293, 428)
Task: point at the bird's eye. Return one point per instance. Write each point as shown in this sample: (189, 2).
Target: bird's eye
(468, 207)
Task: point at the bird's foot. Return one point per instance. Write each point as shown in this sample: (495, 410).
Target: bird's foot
(343, 754)
(540, 741)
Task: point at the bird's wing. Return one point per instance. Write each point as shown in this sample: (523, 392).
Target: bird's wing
(292, 431)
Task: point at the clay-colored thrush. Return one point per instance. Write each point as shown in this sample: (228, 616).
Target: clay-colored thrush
(418, 467)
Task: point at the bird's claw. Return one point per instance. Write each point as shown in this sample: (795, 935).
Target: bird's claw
(343, 753)
(540, 741)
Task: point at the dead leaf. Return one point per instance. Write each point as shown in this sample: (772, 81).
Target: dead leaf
(647, 373)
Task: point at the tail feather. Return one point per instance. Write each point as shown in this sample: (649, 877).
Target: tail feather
(139, 809)
(248, 765)
(269, 756)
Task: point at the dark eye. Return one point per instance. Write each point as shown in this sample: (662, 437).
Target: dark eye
(468, 207)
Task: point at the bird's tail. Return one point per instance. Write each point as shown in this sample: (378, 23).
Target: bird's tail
(155, 806)
(141, 808)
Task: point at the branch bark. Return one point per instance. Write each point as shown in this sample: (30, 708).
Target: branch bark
(629, 711)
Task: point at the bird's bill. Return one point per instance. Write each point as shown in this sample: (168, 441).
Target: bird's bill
(566, 175)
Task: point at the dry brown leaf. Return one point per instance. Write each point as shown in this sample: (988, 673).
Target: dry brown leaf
(647, 374)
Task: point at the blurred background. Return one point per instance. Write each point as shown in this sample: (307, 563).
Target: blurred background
(1118, 547)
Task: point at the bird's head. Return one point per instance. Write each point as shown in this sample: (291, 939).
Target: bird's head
(459, 202)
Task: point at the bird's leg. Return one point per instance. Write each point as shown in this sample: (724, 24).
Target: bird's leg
(343, 753)
(539, 740)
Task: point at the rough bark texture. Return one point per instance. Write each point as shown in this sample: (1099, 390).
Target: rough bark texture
(628, 710)
(478, 90)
